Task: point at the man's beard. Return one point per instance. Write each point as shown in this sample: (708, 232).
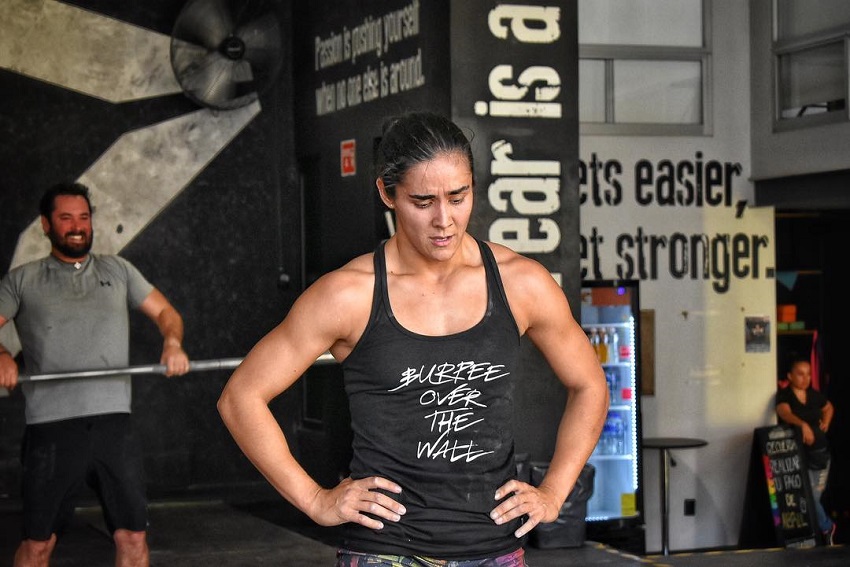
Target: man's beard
(71, 249)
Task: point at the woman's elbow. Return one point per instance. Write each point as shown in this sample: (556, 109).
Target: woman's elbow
(226, 405)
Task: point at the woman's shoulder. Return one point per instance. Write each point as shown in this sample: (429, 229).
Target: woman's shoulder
(508, 258)
(521, 271)
(529, 286)
(358, 271)
(348, 283)
(785, 395)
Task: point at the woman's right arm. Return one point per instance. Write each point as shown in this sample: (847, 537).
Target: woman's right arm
(783, 410)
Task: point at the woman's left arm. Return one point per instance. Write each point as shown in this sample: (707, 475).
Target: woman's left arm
(542, 311)
(826, 413)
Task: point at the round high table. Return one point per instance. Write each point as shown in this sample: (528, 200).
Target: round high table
(664, 445)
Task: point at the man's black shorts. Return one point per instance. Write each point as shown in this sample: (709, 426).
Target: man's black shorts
(61, 457)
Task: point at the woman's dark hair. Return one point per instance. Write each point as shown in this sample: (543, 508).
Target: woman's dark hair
(48, 200)
(414, 138)
(795, 358)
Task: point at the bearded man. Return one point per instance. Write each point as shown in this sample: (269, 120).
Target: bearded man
(71, 312)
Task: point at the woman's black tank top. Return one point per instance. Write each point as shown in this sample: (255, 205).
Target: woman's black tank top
(435, 415)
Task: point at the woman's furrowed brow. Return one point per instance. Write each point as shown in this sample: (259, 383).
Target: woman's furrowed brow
(452, 193)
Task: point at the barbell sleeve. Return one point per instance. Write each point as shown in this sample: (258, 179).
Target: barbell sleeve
(194, 366)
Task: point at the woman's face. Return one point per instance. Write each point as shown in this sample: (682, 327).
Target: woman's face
(433, 205)
(800, 375)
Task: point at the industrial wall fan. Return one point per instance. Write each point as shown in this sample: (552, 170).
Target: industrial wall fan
(226, 52)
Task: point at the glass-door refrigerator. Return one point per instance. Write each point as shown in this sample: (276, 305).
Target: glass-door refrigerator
(610, 315)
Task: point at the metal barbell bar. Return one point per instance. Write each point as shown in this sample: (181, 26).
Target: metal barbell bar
(194, 366)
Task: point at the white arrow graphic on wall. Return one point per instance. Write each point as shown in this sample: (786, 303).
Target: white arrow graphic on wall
(84, 51)
(136, 178)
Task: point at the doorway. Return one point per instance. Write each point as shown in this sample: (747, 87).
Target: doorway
(810, 259)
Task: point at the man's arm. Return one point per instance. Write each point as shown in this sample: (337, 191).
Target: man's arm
(8, 366)
(170, 325)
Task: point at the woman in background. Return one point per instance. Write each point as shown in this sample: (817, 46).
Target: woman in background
(801, 405)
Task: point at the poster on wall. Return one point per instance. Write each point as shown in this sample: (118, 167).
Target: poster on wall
(757, 334)
(348, 158)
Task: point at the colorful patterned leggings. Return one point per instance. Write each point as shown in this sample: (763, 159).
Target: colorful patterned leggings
(347, 558)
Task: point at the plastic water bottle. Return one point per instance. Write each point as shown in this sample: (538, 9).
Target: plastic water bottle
(618, 435)
(606, 440)
(613, 345)
(613, 384)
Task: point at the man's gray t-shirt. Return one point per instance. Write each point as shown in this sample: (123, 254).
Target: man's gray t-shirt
(74, 319)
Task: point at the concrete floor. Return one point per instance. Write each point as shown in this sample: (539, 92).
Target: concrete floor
(221, 533)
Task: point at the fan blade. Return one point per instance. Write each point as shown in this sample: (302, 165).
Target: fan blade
(209, 81)
(204, 22)
(261, 37)
(241, 72)
(222, 94)
(185, 55)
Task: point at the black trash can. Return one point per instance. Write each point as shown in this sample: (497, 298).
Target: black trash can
(570, 529)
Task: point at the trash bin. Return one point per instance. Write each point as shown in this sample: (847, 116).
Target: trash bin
(570, 529)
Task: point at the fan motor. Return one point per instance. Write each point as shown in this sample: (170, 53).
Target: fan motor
(233, 48)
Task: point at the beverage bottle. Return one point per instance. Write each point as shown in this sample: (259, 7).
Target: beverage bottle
(594, 340)
(603, 345)
(613, 345)
(618, 435)
(613, 384)
(606, 441)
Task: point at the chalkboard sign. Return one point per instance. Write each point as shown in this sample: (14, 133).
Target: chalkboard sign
(778, 492)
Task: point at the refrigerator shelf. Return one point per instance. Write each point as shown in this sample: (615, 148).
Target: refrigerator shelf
(595, 457)
(588, 326)
(603, 516)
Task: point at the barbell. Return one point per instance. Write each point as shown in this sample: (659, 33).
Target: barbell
(194, 366)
